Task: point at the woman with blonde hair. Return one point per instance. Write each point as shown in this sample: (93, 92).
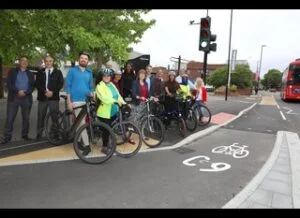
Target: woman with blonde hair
(201, 96)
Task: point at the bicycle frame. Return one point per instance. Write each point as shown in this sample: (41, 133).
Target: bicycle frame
(119, 120)
(85, 111)
(236, 148)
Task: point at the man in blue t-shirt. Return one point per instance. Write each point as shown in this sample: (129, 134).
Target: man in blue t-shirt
(79, 85)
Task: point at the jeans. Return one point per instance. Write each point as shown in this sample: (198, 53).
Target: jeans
(199, 105)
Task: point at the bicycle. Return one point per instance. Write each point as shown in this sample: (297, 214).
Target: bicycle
(189, 115)
(59, 130)
(125, 131)
(175, 115)
(234, 150)
(203, 114)
(152, 128)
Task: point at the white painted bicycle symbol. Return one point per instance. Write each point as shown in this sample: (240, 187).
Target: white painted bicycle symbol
(235, 150)
(215, 167)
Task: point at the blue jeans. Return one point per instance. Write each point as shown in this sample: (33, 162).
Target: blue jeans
(199, 105)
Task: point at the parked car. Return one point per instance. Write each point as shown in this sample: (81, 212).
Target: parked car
(209, 88)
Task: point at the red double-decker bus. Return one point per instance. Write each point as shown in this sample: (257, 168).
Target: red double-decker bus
(290, 89)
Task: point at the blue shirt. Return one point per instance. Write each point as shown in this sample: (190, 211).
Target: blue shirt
(22, 81)
(79, 84)
(148, 81)
(114, 107)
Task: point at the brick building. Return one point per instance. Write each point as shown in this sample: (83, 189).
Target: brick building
(196, 69)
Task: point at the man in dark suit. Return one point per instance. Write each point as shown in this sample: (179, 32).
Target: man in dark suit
(49, 81)
(20, 83)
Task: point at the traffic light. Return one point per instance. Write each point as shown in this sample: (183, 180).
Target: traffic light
(204, 34)
(213, 46)
(206, 37)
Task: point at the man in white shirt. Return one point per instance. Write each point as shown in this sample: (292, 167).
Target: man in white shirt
(49, 82)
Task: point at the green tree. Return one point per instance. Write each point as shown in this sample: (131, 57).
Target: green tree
(218, 78)
(103, 33)
(242, 76)
(272, 79)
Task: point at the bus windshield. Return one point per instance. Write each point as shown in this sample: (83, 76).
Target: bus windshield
(296, 76)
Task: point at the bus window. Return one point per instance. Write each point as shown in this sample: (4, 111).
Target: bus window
(296, 76)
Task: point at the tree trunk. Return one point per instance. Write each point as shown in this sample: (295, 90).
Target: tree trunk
(1, 79)
(99, 60)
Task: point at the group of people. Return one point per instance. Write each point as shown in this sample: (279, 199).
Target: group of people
(113, 88)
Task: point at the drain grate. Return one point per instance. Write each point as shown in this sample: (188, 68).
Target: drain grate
(183, 150)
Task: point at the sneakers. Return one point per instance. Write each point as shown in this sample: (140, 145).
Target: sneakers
(5, 141)
(25, 137)
(131, 141)
(86, 151)
(38, 138)
(106, 150)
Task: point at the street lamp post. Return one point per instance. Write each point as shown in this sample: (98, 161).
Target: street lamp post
(261, 54)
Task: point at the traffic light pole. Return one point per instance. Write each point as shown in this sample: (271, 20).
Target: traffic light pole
(204, 67)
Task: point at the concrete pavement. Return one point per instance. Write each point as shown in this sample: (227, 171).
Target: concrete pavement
(277, 185)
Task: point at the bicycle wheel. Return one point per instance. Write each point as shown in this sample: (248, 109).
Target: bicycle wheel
(55, 127)
(219, 149)
(241, 154)
(191, 120)
(88, 143)
(203, 117)
(128, 139)
(153, 131)
(182, 127)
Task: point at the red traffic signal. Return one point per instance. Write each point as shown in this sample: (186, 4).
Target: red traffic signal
(205, 22)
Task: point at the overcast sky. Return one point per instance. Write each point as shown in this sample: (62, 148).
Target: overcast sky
(172, 36)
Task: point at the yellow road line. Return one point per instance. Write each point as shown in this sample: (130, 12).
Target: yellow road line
(63, 152)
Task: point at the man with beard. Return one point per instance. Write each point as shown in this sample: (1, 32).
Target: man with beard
(79, 85)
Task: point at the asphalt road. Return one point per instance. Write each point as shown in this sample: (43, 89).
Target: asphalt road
(291, 111)
(157, 179)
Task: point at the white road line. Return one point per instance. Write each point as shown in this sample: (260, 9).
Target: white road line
(278, 107)
(283, 117)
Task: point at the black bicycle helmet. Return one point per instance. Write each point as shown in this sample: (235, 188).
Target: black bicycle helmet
(106, 71)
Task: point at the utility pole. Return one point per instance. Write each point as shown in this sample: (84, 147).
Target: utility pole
(230, 31)
(179, 60)
(1, 79)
